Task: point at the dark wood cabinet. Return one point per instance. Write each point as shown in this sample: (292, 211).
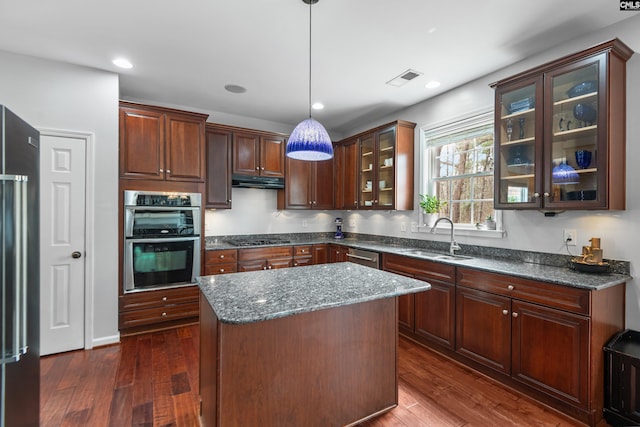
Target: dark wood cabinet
(346, 174)
(220, 261)
(302, 255)
(338, 253)
(546, 338)
(426, 316)
(308, 185)
(385, 167)
(320, 253)
(258, 153)
(265, 258)
(560, 133)
(161, 144)
(160, 308)
(218, 156)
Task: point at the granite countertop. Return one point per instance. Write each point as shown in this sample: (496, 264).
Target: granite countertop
(561, 275)
(254, 296)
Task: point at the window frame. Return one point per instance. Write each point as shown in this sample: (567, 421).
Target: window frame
(427, 184)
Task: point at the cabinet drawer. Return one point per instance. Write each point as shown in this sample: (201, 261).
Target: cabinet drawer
(147, 316)
(418, 268)
(222, 256)
(302, 251)
(548, 294)
(299, 261)
(220, 268)
(265, 253)
(159, 298)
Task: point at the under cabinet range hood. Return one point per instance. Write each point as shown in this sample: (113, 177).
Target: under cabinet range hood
(256, 181)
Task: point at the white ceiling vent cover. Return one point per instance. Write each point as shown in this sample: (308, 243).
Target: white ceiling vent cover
(404, 78)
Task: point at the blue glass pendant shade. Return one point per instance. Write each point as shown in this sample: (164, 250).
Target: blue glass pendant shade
(564, 174)
(309, 141)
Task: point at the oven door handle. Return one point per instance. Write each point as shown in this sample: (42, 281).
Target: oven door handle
(162, 239)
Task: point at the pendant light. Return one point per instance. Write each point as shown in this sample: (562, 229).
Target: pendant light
(309, 139)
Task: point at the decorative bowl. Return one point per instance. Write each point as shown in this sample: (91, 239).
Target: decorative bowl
(582, 88)
(585, 113)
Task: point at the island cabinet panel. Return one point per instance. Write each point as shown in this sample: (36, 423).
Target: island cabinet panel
(426, 316)
(330, 367)
(220, 261)
(265, 258)
(542, 338)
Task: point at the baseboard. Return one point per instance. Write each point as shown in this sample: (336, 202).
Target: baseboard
(109, 340)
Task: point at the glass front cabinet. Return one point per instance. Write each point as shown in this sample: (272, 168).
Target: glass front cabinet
(560, 133)
(386, 167)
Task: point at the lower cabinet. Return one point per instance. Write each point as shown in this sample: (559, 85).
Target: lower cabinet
(220, 261)
(426, 316)
(337, 253)
(162, 308)
(542, 338)
(320, 253)
(302, 255)
(265, 258)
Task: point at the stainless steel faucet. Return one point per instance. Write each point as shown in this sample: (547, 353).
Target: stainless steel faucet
(454, 246)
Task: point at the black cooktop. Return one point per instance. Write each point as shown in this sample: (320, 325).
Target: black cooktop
(251, 241)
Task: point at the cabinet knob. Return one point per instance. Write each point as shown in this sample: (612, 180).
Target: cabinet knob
(262, 168)
(222, 270)
(264, 268)
(221, 256)
(168, 170)
(514, 314)
(161, 170)
(546, 194)
(505, 312)
(536, 195)
(295, 264)
(257, 168)
(511, 287)
(164, 314)
(229, 201)
(269, 267)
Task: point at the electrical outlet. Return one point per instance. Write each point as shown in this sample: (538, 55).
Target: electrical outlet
(570, 237)
(414, 227)
(403, 226)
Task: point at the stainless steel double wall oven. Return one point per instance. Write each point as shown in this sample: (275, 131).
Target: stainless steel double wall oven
(161, 239)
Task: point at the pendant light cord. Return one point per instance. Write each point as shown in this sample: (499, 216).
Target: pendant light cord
(310, 59)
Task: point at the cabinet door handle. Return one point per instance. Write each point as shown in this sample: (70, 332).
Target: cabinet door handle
(546, 194)
(168, 170)
(161, 170)
(222, 270)
(269, 267)
(295, 264)
(257, 168)
(164, 298)
(262, 168)
(221, 256)
(511, 287)
(164, 314)
(505, 312)
(536, 195)
(514, 314)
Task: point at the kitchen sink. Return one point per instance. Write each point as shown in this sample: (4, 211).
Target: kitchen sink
(434, 255)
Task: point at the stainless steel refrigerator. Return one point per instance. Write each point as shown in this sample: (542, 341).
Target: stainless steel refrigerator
(19, 272)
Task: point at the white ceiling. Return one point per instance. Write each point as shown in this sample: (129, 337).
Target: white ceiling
(184, 52)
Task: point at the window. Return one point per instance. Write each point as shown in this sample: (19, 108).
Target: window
(457, 166)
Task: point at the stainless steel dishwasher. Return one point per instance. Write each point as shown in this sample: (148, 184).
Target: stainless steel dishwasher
(368, 258)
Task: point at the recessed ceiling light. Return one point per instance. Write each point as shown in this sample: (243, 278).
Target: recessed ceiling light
(122, 63)
(432, 84)
(235, 88)
(317, 106)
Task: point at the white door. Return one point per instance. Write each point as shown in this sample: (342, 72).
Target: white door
(62, 243)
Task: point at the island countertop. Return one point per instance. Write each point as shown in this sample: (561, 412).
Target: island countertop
(255, 296)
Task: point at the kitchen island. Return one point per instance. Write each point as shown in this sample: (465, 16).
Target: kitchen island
(306, 346)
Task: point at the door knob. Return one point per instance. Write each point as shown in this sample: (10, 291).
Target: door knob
(75, 254)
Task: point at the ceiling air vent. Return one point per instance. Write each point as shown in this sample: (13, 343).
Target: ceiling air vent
(404, 78)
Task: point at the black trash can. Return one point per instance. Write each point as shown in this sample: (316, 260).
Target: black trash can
(622, 379)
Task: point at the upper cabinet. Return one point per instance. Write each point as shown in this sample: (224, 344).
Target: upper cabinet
(385, 167)
(345, 164)
(308, 185)
(256, 154)
(218, 155)
(560, 133)
(161, 143)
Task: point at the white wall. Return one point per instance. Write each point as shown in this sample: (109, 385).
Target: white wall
(53, 95)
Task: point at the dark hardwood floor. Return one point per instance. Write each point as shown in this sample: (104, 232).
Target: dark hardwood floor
(152, 380)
